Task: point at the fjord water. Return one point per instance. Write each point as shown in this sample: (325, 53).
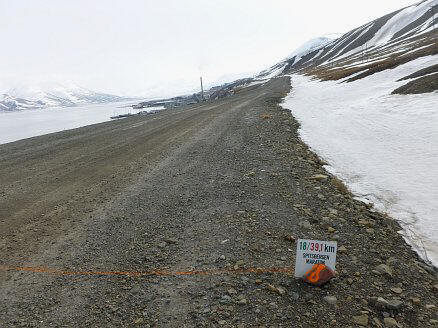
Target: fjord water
(30, 123)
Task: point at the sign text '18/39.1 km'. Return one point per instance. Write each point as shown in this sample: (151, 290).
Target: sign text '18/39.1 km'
(316, 246)
(311, 252)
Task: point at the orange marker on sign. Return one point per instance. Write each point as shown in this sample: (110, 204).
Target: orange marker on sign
(318, 275)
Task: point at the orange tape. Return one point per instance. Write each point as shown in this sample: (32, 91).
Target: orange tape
(145, 273)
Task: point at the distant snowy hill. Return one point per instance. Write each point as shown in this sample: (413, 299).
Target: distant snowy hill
(49, 95)
(309, 46)
(8, 103)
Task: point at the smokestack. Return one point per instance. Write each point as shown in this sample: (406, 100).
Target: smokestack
(202, 90)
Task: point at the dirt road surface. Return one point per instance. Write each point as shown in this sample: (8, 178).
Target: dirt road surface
(108, 225)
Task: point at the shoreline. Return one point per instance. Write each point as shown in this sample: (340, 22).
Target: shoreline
(32, 123)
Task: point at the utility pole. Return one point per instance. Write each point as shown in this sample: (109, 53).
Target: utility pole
(202, 90)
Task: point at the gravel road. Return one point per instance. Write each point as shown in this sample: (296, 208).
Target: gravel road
(221, 187)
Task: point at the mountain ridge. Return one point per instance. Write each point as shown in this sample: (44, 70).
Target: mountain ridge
(391, 36)
(52, 95)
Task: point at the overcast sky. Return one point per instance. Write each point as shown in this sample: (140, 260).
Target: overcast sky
(149, 48)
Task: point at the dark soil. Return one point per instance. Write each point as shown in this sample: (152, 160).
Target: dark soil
(421, 72)
(423, 84)
(216, 186)
(417, 47)
(395, 61)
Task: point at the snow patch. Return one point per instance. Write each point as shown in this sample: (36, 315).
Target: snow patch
(383, 146)
(399, 21)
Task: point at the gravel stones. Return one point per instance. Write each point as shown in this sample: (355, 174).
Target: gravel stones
(305, 224)
(231, 291)
(382, 304)
(361, 320)
(318, 177)
(342, 249)
(394, 304)
(390, 322)
(384, 269)
(330, 300)
(278, 290)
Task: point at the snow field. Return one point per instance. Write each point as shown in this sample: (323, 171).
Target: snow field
(383, 146)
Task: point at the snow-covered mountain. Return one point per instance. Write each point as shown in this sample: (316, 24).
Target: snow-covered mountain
(51, 94)
(295, 56)
(8, 103)
(403, 35)
(308, 47)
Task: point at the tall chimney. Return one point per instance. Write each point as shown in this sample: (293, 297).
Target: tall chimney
(202, 90)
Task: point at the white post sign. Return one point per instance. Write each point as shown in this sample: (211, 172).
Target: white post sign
(311, 252)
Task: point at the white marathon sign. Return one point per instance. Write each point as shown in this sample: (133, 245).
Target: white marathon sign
(311, 252)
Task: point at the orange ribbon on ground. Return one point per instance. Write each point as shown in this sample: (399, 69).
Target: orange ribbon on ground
(145, 273)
